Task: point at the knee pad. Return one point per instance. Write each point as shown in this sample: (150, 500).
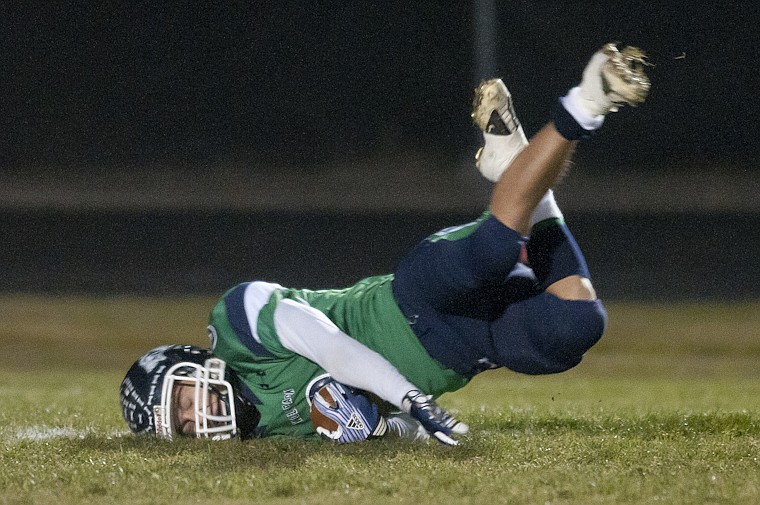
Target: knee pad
(546, 334)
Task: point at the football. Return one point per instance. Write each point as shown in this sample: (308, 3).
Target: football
(318, 419)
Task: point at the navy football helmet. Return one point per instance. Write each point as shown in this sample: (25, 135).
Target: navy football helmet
(147, 394)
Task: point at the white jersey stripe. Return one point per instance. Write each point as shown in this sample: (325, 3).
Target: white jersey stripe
(256, 296)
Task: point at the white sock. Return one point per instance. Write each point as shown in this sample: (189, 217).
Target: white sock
(547, 208)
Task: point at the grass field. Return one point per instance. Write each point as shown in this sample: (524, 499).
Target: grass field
(666, 409)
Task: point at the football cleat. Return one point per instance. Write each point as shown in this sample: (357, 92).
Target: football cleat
(492, 108)
(493, 112)
(614, 78)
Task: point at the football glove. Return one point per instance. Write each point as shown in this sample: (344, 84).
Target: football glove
(344, 415)
(433, 418)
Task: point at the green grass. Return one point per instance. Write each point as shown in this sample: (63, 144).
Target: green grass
(666, 409)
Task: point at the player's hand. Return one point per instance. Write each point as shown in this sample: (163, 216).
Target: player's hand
(342, 414)
(433, 418)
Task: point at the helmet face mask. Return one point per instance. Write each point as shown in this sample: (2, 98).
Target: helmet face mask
(211, 405)
(184, 390)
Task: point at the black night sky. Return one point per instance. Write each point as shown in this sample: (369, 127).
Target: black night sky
(95, 84)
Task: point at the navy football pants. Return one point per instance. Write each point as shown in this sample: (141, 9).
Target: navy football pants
(473, 308)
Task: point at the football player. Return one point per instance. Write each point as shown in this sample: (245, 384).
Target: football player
(460, 303)
(184, 390)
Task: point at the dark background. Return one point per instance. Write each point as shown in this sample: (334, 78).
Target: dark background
(92, 88)
(632, 257)
(97, 83)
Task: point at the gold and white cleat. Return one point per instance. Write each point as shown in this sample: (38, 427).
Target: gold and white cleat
(492, 108)
(493, 112)
(614, 78)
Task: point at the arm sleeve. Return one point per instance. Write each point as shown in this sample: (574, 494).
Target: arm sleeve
(308, 332)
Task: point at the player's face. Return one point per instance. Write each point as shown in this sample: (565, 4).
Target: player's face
(183, 410)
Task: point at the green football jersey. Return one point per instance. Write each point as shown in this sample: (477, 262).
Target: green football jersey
(243, 334)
